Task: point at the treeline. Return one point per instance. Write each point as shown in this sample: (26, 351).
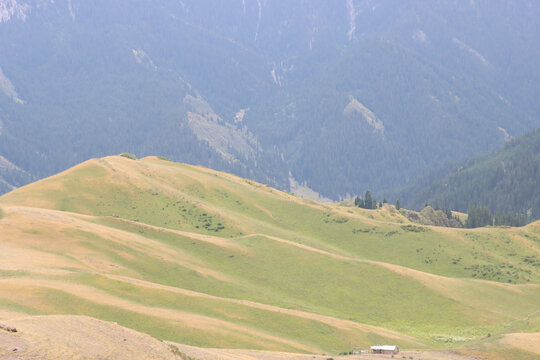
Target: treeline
(479, 216)
(369, 202)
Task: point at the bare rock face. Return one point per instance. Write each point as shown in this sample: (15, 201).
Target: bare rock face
(7, 328)
(13, 9)
(11, 175)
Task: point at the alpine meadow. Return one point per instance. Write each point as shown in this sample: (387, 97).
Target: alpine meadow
(198, 257)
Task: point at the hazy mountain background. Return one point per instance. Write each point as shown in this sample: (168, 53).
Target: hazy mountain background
(337, 95)
(505, 180)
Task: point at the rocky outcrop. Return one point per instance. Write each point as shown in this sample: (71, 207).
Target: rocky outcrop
(430, 216)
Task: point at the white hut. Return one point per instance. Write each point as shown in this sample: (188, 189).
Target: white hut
(384, 349)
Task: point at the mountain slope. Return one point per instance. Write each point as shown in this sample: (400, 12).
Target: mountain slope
(195, 256)
(337, 97)
(11, 176)
(504, 180)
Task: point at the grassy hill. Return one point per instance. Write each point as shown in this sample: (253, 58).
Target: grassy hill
(204, 258)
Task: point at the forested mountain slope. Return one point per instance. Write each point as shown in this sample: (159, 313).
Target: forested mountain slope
(339, 96)
(506, 180)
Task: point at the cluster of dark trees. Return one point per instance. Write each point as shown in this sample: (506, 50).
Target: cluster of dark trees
(479, 216)
(367, 202)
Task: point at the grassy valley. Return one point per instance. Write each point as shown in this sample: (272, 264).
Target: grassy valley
(203, 258)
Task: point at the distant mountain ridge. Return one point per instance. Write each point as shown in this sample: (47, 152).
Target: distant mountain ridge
(336, 96)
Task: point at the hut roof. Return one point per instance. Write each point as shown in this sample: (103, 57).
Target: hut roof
(384, 347)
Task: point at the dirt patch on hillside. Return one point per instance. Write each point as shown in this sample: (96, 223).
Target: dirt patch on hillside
(78, 337)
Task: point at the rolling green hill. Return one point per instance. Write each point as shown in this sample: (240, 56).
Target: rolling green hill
(504, 180)
(205, 258)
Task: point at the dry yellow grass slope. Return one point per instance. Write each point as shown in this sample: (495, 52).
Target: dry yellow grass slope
(524, 341)
(78, 338)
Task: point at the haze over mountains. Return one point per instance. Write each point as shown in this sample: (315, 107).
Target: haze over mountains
(341, 96)
(505, 180)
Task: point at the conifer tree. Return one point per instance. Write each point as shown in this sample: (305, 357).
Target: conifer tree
(478, 216)
(358, 201)
(368, 201)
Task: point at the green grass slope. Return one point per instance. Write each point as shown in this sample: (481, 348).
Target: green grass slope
(195, 256)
